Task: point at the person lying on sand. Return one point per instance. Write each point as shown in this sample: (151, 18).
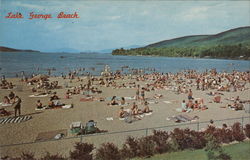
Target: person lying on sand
(3, 112)
(233, 98)
(217, 99)
(236, 106)
(158, 96)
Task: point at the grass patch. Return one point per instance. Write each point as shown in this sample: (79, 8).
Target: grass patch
(239, 151)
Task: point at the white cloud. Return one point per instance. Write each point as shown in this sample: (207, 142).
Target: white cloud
(196, 13)
(50, 25)
(114, 17)
(52, 6)
(144, 13)
(29, 6)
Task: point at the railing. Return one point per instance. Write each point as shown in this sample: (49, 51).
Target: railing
(146, 131)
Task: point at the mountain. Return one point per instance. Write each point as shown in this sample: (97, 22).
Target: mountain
(66, 50)
(231, 44)
(237, 35)
(7, 49)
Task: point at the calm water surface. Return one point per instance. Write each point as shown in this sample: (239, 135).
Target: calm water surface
(14, 63)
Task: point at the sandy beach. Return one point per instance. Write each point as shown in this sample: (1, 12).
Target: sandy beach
(57, 119)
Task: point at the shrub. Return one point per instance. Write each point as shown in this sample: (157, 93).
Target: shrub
(179, 135)
(174, 145)
(187, 139)
(224, 135)
(237, 132)
(146, 147)
(160, 139)
(198, 140)
(108, 151)
(48, 156)
(82, 151)
(28, 156)
(132, 145)
(5, 158)
(125, 152)
(247, 130)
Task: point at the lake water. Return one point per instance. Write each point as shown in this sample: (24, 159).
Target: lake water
(14, 63)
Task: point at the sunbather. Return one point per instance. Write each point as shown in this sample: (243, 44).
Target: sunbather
(3, 112)
(184, 106)
(113, 101)
(134, 109)
(6, 100)
(51, 104)
(190, 94)
(54, 97)
(122, 101)
(146, 108)
(39, 105)
(11, 95)
(122, 113)
(217, 99)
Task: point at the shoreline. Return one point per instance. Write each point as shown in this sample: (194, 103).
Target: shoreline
(217, 58)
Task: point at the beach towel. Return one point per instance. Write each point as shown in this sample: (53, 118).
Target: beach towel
(39, 96)
(178, 109)
(182, 118)
(67, 106)
(148, 114)
(87, 99)
(40, 109)
(167, 102)
(116, 98)
(15, 119)
(152, 102)
(87, 93)
(110, 118)
(5, 104)
(57, 134)
(129, 98)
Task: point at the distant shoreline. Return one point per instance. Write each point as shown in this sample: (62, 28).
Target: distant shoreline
(7, 49)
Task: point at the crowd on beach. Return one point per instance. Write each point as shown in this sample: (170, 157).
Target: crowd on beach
(210, 81)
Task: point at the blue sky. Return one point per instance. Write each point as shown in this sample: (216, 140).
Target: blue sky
(115, 24)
